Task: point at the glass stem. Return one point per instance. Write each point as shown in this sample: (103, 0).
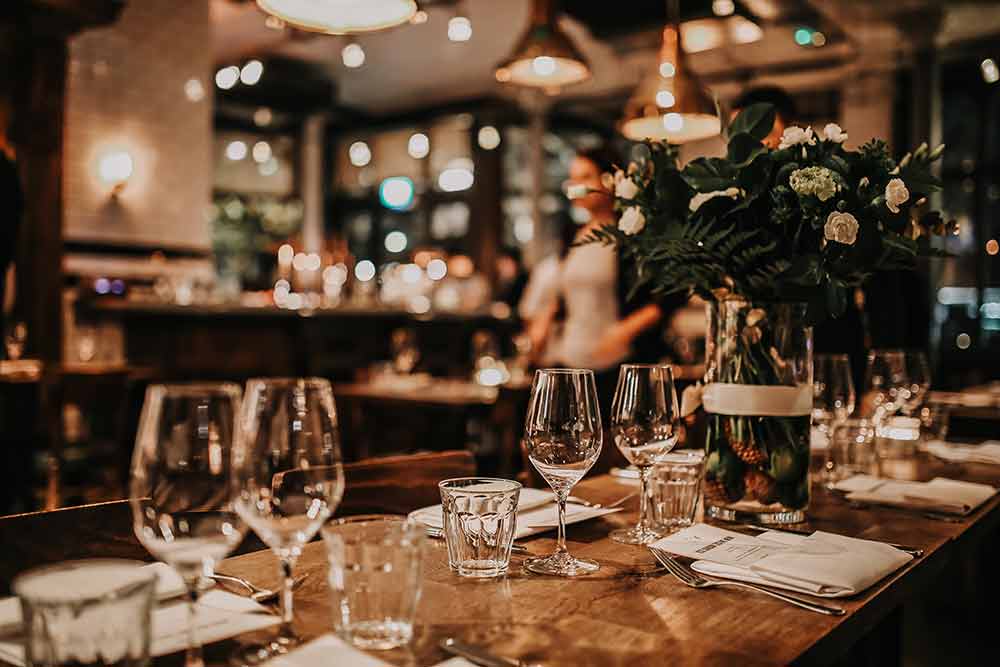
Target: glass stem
(561, 540)
(287, 596)
(193, 656)
(643, 524)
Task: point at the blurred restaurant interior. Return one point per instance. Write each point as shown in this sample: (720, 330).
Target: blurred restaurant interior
(207, 191)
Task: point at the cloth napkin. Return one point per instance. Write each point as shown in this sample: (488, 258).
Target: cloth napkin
(948, 496)
(822, 564)
(219, 615)
(536, 513)
(332, 650)
(987, 452)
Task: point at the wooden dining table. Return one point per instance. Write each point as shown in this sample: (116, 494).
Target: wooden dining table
(631, 612)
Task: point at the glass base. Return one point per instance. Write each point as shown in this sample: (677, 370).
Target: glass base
(635, 535)
(249, 655)
(561, 565)
(766, 517)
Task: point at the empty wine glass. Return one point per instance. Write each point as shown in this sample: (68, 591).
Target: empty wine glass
(885, 384)
(833, 391)
(181, 483)
(288, 470)
(562, 437)
(644, 426)
(918, 375)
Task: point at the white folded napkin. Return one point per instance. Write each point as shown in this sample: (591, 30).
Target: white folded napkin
(822, 564)
(536, 513)
(987, 452)
(949, 496)
(219, 615)
(329, 649)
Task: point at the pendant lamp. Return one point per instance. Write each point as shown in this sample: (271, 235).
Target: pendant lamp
(340, 17)
(545, 57)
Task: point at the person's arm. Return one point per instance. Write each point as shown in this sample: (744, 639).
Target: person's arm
(615, 343)
(540, 327)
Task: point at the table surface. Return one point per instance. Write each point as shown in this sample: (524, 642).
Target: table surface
(630, 612)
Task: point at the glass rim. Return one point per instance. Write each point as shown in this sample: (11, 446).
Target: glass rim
(198, 388)
(565, 371)
(445, 483)
(143, 578)
(832, 355)
(285, 381)
(360, 519)
(681, 456)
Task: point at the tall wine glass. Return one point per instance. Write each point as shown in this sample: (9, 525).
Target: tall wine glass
(181, 483)
(644, 425)
(918, 375)
(833, 391)
(562, 437)
(288, 470)
(885, 384)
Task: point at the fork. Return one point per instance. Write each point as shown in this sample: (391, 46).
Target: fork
(257, 594)
(438, 534)
(573, 500)
(689, 578)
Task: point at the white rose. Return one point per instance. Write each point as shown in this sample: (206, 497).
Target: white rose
(895, 194)
(841, 227)
(794, 135)
(701, 197)
(626, 188)
(632, 221)
(833, 132)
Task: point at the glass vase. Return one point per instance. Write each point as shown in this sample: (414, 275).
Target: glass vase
(758, 400)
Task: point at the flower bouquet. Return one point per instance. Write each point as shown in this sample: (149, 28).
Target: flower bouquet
(774, 240)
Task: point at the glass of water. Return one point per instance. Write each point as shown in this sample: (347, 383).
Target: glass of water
(833, 391)
(87, 612)
(562, 437)
(675, 488)
(852, 450)
(375, 571)
(480, 518)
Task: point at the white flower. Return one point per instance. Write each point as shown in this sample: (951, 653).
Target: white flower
(625, 187)
(841, 227)
(632, 221)
(701, 197)
(817, 181)
(833, 132)
(796, 135)
(895, 194)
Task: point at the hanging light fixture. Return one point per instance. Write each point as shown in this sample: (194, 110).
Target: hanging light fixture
(340, 17)
(544, 57)
(671, 104)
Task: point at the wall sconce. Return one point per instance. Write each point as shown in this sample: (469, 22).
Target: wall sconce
(114, 170)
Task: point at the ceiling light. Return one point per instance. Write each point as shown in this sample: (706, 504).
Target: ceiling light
(227, 77)
(353, 55)
(693, 115)
(544, 57)
(359, 154)
(459, 29)
(723, 7)
(236, 150)
(418, 146)
(341, 17)
(488, 137)
(251, 72)
(115, 168)
(261, 151)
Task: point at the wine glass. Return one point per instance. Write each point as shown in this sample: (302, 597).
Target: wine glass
(288, 470)
(181, 483)
(885, 384)
(833, 391)
(918, 374)
(562, 437)
(644, 425)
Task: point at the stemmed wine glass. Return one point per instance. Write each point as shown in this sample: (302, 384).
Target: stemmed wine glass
(562, 437)
(833, 391)
(288, 470)
(885, 384)
(644, 425)
(181, 483)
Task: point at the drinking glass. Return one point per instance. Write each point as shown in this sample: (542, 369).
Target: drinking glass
(87, 612)
(479, 516)
(289, 473)
(374, 578)
(833, 391)
(562, 437)
(181, 483)
(885, 384)
(918, 375)
(644, 426)
(852, 451)
(676, 488)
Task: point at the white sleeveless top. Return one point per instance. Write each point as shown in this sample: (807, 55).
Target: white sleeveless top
(588, 285)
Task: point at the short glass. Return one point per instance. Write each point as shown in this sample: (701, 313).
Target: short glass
(480, 519)
(87, 612)
(675, 489)
(375, 567)
(851, 450)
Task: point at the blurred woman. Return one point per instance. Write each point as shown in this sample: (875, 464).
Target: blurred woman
(590, 323)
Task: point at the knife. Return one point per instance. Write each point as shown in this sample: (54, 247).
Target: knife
(477, 654)
(913, 551)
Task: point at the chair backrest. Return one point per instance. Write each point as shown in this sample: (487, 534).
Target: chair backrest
(400, 484)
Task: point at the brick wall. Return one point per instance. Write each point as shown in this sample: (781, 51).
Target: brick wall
(130, 88)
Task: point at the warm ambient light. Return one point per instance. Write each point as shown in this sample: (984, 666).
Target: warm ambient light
(251, 72)
(488, 137)
(723, 7)
(227, 77)
(396, 193)
(341, 17)
(456, 176)
(437, 269)
(261, 152)
(262, 117)
(353, 56)
(991, 73)
(236, 150)
(459, 29)
(114, 169)
(418, 146)
(364, 270)
(359, 154)
(395, 241)
(545, 57)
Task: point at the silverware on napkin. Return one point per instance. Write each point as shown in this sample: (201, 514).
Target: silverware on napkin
(913, 551)
(690, 578)
(257, 594)
(478, 654)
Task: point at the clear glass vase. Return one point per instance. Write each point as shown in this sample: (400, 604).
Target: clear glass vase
(758, 400)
